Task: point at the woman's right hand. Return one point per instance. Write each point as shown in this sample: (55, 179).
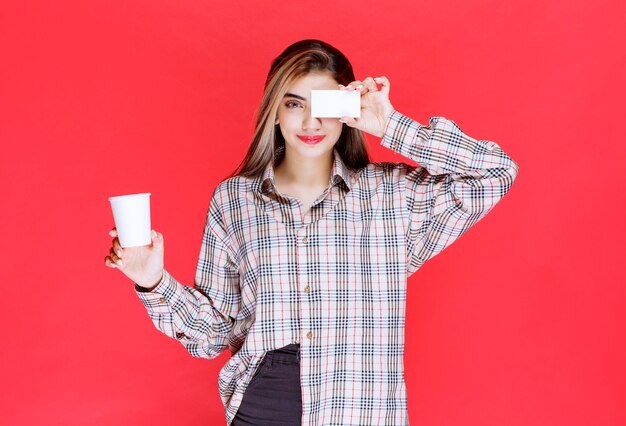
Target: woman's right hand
(143, 264)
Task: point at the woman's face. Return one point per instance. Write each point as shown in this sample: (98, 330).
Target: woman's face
(296, 123)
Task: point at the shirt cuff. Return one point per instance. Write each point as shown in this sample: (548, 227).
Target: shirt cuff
(397, 129)
(164, 295)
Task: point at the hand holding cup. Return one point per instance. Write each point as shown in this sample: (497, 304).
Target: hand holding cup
(136, 250)
(142, 264)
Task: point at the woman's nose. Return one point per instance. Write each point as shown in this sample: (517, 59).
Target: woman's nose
(311, 122)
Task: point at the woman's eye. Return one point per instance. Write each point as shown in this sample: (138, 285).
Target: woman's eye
(290, 103)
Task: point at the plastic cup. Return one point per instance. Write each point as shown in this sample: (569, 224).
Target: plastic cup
(132, 219)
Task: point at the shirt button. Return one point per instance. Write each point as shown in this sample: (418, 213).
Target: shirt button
(162, 299)
(309, 335)
(305, 240)
(307, 289)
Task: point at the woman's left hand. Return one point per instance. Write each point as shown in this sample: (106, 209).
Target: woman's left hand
(375, 105)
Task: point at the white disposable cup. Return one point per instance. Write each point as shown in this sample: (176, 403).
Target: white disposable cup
(132, 219)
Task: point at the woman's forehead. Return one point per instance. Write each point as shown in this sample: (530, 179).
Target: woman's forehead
(312, 81)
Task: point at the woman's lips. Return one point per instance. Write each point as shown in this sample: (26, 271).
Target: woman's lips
(311, 140)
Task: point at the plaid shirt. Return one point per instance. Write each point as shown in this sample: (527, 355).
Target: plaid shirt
(333, 279)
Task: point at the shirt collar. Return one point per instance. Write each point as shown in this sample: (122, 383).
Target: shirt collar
(340, 172)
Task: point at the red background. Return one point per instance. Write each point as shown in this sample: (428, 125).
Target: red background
(520, 322)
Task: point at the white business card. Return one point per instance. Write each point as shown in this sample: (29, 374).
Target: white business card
(335, 103)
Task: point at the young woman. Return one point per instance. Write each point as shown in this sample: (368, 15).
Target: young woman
(307, 248)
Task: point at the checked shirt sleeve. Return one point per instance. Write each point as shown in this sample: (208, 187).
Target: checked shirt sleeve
(458, 181)
(199, 317)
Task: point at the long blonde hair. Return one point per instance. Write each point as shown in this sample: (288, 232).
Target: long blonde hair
(298, 59)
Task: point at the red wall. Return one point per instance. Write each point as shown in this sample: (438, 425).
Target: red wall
(520, 322)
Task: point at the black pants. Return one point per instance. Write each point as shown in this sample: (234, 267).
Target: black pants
(273, 396)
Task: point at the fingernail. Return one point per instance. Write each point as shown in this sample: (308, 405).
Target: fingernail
(360, 86)
(154, 234)
(342, 121)
(119, 253)
(119, 262)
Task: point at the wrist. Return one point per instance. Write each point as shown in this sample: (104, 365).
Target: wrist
(386, 116)
(151, 284)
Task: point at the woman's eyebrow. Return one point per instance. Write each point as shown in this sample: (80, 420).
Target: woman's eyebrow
(291, 95)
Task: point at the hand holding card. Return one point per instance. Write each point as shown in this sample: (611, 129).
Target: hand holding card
(375, 105)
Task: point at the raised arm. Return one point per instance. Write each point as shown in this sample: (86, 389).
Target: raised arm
(458, 181)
